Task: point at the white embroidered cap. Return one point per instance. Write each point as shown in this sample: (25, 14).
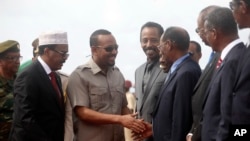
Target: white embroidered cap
(53, 37)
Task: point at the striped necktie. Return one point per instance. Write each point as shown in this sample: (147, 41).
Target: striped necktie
(219, 63)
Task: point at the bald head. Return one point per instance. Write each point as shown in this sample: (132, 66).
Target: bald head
(173, 45)
(201, 19)
(179, 36)
(221, 28)
(204, 12)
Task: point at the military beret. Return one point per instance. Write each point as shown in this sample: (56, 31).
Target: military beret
(6, 45)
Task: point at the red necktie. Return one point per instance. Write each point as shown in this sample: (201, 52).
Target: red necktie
(218, 63)
(53, 81)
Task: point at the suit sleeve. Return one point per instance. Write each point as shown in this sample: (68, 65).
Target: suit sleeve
(182, 113)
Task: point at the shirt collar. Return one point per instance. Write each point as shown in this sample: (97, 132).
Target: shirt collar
(44, 65)
(177, 62)
(226, 50)
(95, 68)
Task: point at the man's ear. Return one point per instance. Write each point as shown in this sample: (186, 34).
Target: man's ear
(200, 55)
(93, 50)
(171, 45)
(244, 6)
(46, 51)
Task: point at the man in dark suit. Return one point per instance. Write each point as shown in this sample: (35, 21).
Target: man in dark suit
(241, 92)
(204, 80)
(222, 34)
(149, 77)
(172, 117)
(38, 105)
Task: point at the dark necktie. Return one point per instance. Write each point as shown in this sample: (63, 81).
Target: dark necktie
(147, 75)
(53, 81)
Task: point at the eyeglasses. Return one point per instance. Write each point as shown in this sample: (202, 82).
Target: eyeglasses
(14, 58)
(64, 54)
(109, 48)
(167, 41)
(209, 30)
(191, 53)
(233, 4)
(199, 30)
(160, 47)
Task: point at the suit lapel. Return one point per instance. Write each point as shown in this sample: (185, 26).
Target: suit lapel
(139, 85)
(44, 76)
(141, 74)
(231, 52)
(156, 71)
(207, 69)
(162, 90)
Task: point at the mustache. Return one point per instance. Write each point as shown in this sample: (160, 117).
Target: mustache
(112, 55)
(150, 48)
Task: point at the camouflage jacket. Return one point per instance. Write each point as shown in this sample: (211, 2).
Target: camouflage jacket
(6, 100)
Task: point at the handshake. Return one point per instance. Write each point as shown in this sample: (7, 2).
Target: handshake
(140, 128)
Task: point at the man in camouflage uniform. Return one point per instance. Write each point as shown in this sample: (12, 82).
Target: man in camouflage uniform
(9, 64)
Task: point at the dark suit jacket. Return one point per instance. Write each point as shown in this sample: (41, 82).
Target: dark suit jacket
(241, 93)
(172, 117)
(218, 105)
(38, 115)
(146, 101)
(199, 94)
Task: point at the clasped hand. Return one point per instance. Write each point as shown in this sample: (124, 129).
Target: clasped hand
(138, 136)
(136, 125)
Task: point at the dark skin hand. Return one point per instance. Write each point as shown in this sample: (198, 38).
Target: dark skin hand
(126, 120)
(145, 134)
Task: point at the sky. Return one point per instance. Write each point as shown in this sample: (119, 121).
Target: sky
(24, 20)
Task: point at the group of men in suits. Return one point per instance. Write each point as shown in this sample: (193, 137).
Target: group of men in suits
(201, 86)
(226, 104)
(219, 98)
(170, 111)
(222, 34)
(175, 100)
